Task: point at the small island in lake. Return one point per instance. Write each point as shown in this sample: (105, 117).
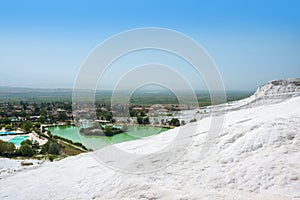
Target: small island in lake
(103, 130)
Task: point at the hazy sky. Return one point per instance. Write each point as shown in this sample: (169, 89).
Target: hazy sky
(43, 43)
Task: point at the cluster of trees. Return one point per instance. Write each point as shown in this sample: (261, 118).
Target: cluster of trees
(51, 147)
(104, 115)
(25, 111)
(111, 131)
(7, 149)
(174, 122)
(5, 121)
(26, 126)
(26, 149)
(106, 131)
(137, 113)
(143, 120)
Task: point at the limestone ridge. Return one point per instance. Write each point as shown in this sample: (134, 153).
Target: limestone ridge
(280, 87)
(275, 91)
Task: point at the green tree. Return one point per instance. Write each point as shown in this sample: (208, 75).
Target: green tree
(45, 147)
(26, 142)
(5, 120)
(108, 129)
(140, 120)
(41, 119)
(54, 148)
(43, 112)
(26, 150)
(7, 148)
(142, 114)
(27, 126)
(146, 120)
(8, 127)
(174, 122)
(35, 145)
(62, 117)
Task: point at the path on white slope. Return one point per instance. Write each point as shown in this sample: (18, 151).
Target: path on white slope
(256, 157)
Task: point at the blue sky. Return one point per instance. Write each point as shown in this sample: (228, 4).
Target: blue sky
(43, 43)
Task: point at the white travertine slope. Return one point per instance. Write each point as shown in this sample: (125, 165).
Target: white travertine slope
(273, 92)
(256, 156)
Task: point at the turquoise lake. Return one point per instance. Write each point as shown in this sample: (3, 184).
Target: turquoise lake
(97, 142)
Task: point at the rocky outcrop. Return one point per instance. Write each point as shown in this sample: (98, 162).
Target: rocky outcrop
(279, 87)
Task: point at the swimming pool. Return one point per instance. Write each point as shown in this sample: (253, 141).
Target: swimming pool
(18, 140)
(7, 133)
